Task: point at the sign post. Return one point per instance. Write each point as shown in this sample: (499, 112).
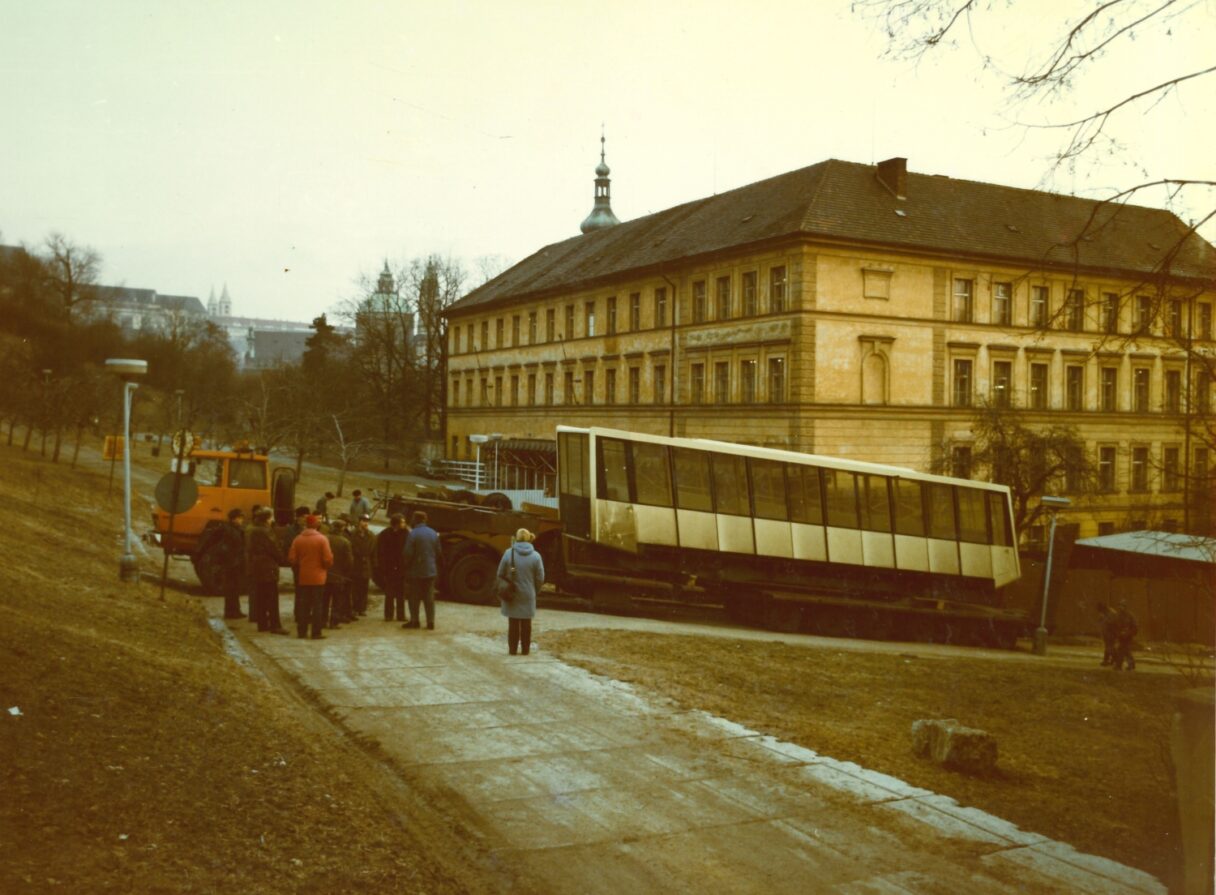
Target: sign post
(175, 492)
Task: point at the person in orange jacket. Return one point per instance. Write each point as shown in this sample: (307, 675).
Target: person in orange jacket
(311, 557)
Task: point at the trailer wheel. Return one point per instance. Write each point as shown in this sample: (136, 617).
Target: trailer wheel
(283, 496)
(471, 579)
(497, 501)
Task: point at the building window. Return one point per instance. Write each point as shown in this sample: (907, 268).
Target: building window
(1204, 329)
(498, 392)
(455, 340)
(485, 393)
(696, 382)
(1110, 312)
(776, 290)
(1173, 318)
(1139, 469)
(1002, 303)
(532, 333)
(569, 334)
(455, 391)
(1002, 382)
(961, 395)
(499, 341)
(1173, 391)
(1109, 390)
(747, 381)
(515, 338)
(531, 389)
(610, 386)
(875, 283)
(962, 309)
(698, 301)
(660, 306)
(960, 461)
(588, 387)
(1140, 378)
(1074, 310)
(1201, 465)
(1203, 392)
(514, 390)
(749, 294)
(722, 382)
(1074, 387)
(1144, 314)
(589, 318)
(776, 380)
(1039, 304)
(611, 322)
(485, 335)
(722, 311)
(468, 392)
(568, 388)
(1106, 469)
(1170, 480)
(550, 324)
(660, 383)
(635, 385)
(549, 397)
(1072, 468)
(1038, 386)
(635, 311)
(468, 338)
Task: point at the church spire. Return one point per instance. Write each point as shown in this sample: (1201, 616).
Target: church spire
(601, 215)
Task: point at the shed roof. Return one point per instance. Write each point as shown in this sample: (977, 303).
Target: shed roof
(838, 200)
(1162, 544)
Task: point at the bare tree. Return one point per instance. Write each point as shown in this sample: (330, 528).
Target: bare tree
(71, 273)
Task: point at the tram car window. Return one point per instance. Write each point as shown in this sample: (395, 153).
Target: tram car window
(909, 508)
(693, 480)
(651, 473)
(840, 487)
(769, 489)
(730, 485)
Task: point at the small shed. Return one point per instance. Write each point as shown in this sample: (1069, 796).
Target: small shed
(1168, 580)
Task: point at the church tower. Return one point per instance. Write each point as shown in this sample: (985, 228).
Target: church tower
(601, 214)
(386, 290)
(211, 303)
(224, 306)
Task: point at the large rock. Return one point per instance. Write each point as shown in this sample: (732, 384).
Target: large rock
(954, 746)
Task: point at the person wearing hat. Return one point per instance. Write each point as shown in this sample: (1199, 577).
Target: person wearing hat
(523, 569)
(359, 505)
(223, 546)
(363, 548)
(311, 558)
(263, 556)
(390, 568)
(337, 584)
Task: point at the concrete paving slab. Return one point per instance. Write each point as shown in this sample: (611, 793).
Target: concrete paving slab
(588, 785)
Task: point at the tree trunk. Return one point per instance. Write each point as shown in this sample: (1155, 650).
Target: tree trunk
(29, 432)
(12, 424)
(341, 478)
(42, 449)
(58, 444)
(76, 449)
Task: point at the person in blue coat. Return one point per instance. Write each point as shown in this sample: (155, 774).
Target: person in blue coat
(522, 566)
(421, 557)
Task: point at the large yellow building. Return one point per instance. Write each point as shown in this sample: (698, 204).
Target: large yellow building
(857, 311)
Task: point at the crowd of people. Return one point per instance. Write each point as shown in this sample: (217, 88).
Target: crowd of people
(333, 558)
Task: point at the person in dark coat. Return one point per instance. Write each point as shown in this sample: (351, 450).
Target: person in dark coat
(422, 557)
(1125, 632)
(522, 566)
(337, 585)
(390, 569)
(263, 557)
(224, 545)
(363, 546)
(1106, 627)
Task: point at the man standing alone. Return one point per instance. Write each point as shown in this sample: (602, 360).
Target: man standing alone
(311, 557)
(422, 556)
(390, 547)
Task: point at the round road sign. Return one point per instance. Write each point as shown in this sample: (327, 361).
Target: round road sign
(187, 492)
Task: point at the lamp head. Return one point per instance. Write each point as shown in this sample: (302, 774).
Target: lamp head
(126, 368)
(1055, 503)
(479, 439)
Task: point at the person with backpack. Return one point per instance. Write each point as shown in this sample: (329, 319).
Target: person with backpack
(521, 572)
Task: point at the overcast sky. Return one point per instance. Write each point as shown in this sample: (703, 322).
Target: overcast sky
(284, 148)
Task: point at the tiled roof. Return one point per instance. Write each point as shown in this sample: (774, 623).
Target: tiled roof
(837, 200)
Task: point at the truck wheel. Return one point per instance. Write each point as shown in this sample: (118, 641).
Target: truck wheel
(471, 579)
(283, 496)
(497, 501)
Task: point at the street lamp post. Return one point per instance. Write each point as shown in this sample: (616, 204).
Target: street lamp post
(128, 370)
(478, 440)
(495, 437)
(1055, 504)
(180, 393)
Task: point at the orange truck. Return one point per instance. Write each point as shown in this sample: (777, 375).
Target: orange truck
(226, 480)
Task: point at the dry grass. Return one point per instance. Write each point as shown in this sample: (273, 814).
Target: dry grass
(1083, 754)
(144, 760)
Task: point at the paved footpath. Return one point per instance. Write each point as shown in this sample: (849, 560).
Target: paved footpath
(579, 784)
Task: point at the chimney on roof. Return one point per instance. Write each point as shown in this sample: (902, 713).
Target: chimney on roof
(893, 174)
